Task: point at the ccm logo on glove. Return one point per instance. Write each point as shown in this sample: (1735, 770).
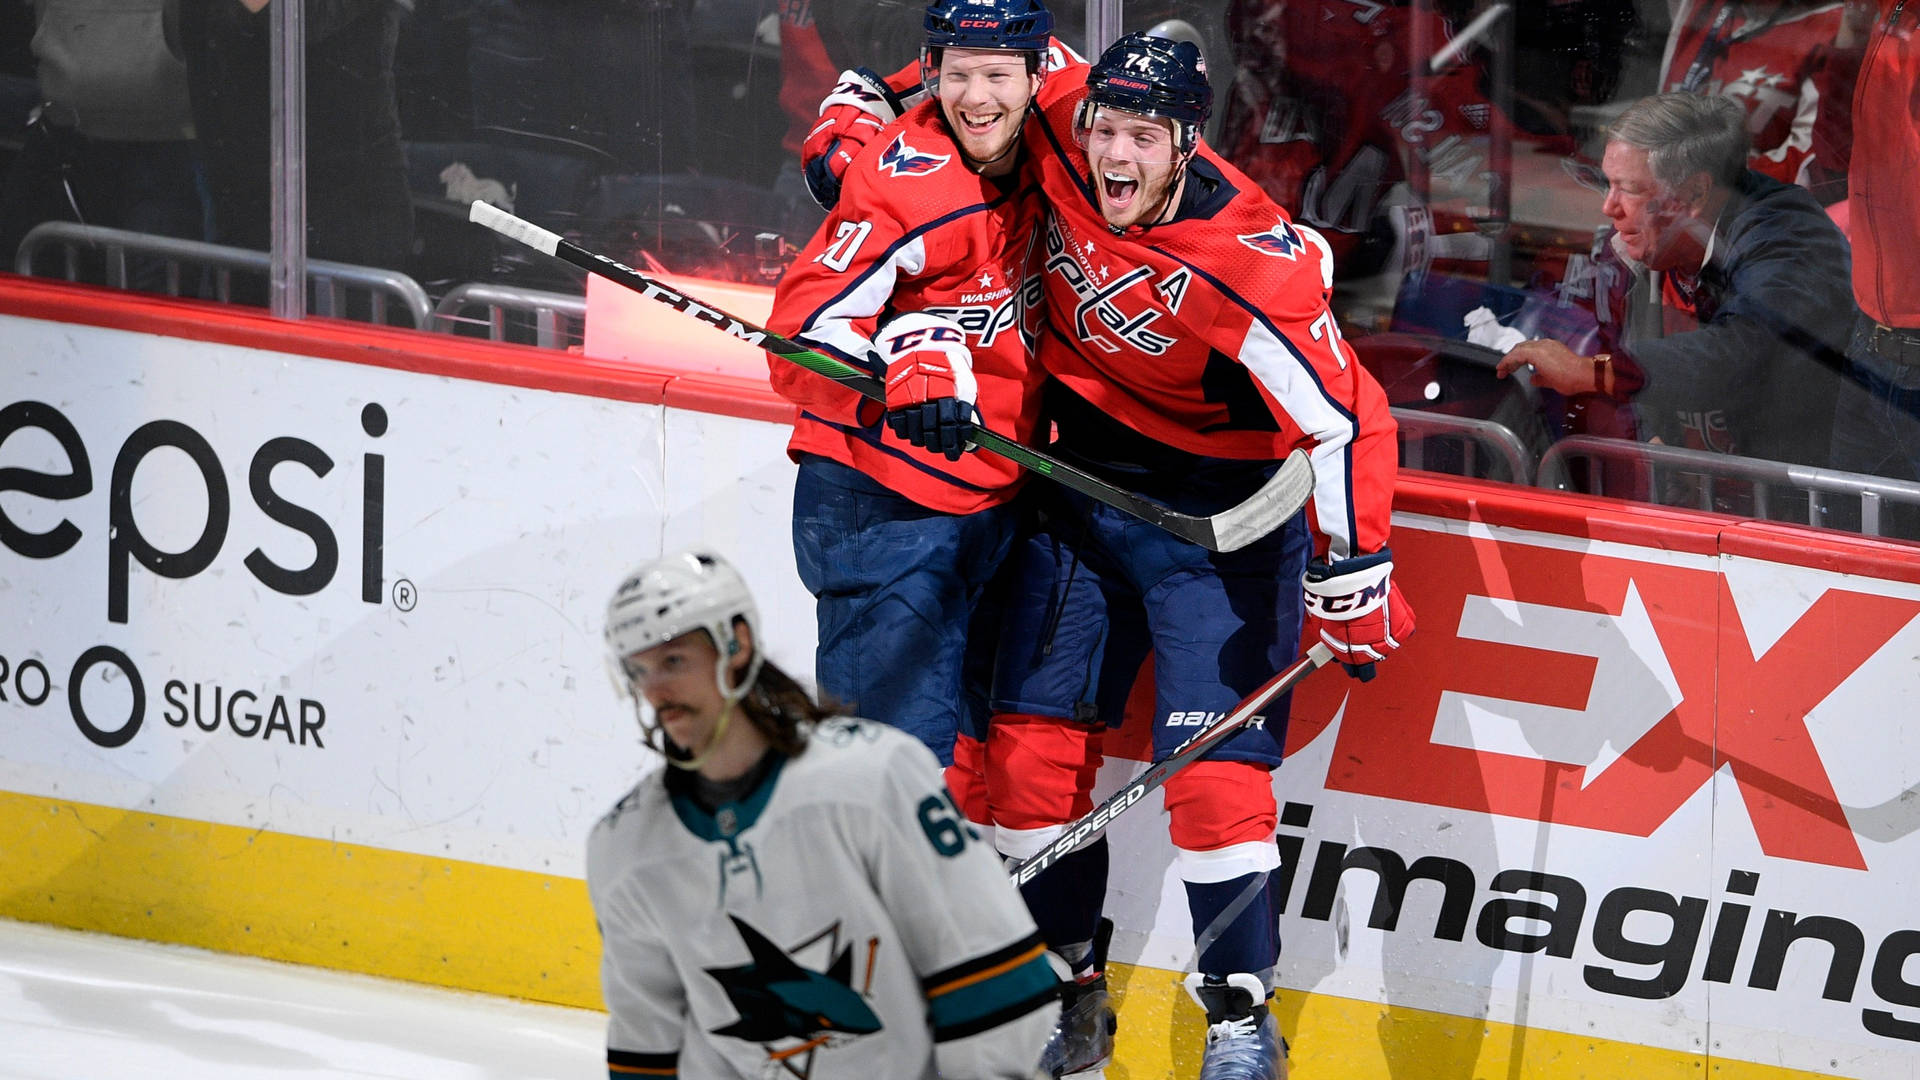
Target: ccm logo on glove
(930, 384)
(1355, 609)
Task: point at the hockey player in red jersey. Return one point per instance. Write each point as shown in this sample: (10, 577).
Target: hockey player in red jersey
(925, 274)
(1192, 348)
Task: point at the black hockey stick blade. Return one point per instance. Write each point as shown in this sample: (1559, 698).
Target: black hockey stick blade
(1265, 510)
(1089, 828)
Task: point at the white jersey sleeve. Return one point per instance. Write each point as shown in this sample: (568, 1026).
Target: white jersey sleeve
(646, 1003)
(991, 990)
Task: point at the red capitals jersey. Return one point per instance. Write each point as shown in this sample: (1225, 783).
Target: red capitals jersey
(1324, 113)
(1212, 334)
(916, 230)
(1765, 57)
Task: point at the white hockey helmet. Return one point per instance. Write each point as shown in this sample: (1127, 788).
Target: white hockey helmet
(678, 594)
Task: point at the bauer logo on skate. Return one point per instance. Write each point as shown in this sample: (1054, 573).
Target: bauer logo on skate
(899, 159)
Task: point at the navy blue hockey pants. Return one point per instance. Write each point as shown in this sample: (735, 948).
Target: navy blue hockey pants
(896, 586)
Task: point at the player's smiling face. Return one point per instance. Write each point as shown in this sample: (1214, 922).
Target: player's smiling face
(984, 94)
(1135, 165)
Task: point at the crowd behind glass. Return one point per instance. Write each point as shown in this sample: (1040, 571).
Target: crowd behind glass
(1456, 152)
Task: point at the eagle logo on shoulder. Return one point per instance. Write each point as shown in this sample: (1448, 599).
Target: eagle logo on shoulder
(899, 159)
(1282, 241)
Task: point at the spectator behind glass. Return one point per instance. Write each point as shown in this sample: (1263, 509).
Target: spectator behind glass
(111, 142)
(1737, 305)
(1765, 55)
(1325, 116)
(1876, 67)
(358, 209)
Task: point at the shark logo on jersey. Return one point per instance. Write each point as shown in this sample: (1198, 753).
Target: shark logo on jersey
(780, 1001)
(899, 159)
(1281, 240)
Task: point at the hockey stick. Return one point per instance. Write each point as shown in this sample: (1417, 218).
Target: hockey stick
(1229, 530)
(1089, 828)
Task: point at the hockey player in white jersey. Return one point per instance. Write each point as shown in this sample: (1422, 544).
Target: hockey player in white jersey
(796, 894)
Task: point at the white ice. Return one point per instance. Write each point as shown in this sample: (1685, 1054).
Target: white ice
(78, 1006)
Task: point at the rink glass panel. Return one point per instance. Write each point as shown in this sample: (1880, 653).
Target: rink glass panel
(1448, 148)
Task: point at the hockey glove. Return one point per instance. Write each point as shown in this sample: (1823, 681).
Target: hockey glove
(853, 112)
(930, 385)
(1355, 609)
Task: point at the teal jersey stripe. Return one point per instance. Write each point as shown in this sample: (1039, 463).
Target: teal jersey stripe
(993, 1001)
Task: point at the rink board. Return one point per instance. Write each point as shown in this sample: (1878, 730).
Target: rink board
(1636, 770)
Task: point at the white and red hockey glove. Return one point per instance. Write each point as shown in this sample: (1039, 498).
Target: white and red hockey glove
(930, 385)
(1355, 609)
(851, 114)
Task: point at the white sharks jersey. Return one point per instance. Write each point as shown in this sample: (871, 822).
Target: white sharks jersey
(840, 920)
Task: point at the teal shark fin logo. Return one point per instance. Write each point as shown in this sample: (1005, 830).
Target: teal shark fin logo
(778, 999)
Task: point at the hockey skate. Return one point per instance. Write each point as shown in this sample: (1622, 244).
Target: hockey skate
(1082, 1042)
(1243, 1041)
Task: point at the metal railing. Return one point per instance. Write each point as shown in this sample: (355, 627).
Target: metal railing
(559, 319)
(330, 282)
(1502, 446)
(1659, 463)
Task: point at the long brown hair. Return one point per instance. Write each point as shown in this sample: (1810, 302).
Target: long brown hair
(777, 705)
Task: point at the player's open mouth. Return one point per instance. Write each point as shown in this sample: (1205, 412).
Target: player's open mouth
(976, 125)
(1118, 190)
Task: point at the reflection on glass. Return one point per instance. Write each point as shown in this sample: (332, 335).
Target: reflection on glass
(1372, 121)
(666, 133)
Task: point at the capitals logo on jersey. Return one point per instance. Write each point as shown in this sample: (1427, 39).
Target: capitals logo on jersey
(1100, 282)
(779, 1001)
(1008, 298)
(1283, 241)
(899, 159)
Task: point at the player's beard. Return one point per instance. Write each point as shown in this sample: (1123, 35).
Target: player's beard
(1007, 130)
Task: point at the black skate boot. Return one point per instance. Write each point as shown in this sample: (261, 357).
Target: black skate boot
(1243, 1042)
(1083, 1040)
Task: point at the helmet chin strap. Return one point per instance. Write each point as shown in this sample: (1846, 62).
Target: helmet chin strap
(731, 696)
(694, 761)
